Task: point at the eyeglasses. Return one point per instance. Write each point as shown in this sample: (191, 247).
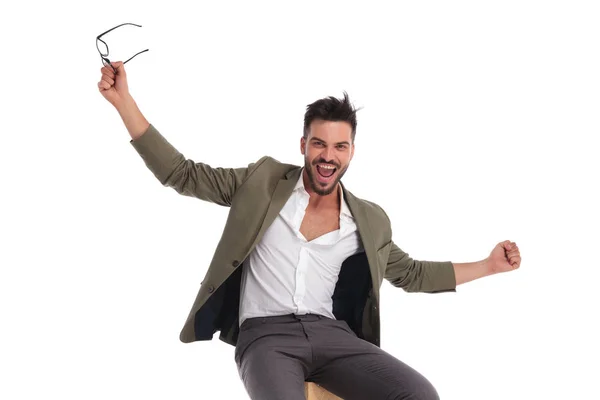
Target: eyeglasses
(103, 47)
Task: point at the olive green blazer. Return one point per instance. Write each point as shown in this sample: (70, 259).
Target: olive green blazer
(255, 195)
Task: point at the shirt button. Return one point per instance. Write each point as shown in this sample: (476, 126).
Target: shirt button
(235, 263)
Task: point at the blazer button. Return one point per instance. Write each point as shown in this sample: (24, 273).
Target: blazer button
(235, 263)
(211, 289)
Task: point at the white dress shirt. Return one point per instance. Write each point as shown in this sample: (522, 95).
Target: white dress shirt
(286, 274)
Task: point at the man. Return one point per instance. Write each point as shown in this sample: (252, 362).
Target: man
(294, 282)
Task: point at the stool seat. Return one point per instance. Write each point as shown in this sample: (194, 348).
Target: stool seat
(312, 391)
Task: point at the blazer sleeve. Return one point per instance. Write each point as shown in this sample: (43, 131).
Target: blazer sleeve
(187, 177)
(418, 276)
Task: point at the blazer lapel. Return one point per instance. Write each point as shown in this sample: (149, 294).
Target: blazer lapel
(282, 193)
(364, 230)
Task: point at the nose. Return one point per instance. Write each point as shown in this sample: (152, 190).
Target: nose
(328, 155)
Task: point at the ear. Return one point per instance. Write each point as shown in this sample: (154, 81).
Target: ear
(302, 145)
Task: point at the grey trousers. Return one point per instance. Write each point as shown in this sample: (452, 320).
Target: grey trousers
(276, 355)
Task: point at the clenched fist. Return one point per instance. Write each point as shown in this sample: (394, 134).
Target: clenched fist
(506, 256)
(114, 86)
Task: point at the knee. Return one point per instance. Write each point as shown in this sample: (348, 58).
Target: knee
(428, 393)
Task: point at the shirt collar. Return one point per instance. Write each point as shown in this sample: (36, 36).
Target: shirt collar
(344, 210)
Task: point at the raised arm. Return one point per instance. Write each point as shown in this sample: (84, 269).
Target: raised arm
(443, 276)
(169, 166)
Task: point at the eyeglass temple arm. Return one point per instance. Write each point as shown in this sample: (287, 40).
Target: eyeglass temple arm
(126, 23)
(135, 55)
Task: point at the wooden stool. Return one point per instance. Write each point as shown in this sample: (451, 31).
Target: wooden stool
(312, 391)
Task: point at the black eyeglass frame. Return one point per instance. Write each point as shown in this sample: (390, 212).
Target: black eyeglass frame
(103, 56)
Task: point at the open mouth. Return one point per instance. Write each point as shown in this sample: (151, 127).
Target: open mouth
(325, 172)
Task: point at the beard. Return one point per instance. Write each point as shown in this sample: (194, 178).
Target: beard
(318, 187)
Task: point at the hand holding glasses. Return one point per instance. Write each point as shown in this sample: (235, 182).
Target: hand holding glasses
(103, 47)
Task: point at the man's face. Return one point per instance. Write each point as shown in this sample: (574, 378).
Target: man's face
(327, 152)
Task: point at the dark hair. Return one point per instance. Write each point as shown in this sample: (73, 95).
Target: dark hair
(331, 109)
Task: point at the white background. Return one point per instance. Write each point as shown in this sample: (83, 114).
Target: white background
(479, 124)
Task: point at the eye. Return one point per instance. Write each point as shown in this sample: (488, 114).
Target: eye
(341, 146)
